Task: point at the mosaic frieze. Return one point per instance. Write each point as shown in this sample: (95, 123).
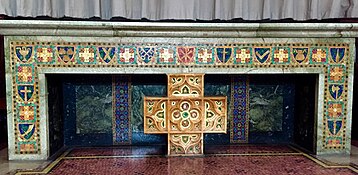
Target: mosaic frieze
(183, 55)
(24, 53)
(65, 54)
(319, 55)
(300, 54)
(186, 55)
(262, 55)
(107, 54)
(44, 54)
(280, 55)
(27, 57)
(243, 55)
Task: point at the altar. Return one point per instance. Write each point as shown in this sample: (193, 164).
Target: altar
(130, 61)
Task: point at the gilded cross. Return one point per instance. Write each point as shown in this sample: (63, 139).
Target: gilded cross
(25, 91)
(86, 55)
(185, 114)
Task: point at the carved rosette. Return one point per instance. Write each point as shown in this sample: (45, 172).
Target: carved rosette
(185, 115)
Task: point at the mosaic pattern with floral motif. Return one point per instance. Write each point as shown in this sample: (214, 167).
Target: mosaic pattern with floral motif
(27, 57)
(121, 110)
(185, 114)
(239, 108)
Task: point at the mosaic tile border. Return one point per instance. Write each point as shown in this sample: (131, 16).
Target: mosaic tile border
(332, 59)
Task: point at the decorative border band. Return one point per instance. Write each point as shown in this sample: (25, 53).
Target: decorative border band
(27, 57)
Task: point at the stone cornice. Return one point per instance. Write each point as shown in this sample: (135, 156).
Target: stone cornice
(165, 29)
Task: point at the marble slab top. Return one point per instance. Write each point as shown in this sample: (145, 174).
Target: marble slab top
(176, 29)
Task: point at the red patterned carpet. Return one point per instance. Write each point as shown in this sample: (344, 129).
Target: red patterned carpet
(234, 160)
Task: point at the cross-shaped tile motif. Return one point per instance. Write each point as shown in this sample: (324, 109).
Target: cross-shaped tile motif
(44, 55)
(185, 115)
(27, 113)
(87, 55)
(25, 74)
(205, 55)
(319, 56)
(166, 55)
(243, 55)
(335, 110)
(281, 55)
(126, 55)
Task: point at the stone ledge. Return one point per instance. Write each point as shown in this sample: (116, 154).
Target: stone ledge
(165, 29)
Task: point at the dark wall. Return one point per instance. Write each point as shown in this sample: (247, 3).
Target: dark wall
(55, 109)
(305, 112)
(87, 110)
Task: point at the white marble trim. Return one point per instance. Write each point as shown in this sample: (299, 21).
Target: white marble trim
(168, 29)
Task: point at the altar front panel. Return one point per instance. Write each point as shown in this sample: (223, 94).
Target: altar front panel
(29, 59)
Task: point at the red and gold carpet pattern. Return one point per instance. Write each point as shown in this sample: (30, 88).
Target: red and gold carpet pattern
(217, 160)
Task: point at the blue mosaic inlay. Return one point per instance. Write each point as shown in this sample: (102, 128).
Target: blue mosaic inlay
(122, 101)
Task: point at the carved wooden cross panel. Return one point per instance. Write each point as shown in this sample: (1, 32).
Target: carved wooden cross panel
(185, 114)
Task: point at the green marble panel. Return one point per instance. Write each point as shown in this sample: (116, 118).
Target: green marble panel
(93, 108)
(149, 86)
(266, 108)
(138, 93)
(218, 85)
